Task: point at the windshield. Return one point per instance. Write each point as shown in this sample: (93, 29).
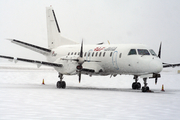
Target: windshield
(143, 52)
(152, 52)
(132, 52)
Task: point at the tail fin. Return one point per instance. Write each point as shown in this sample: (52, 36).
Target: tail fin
(54, 34)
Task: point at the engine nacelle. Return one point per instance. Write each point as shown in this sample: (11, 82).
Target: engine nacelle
(69, 65)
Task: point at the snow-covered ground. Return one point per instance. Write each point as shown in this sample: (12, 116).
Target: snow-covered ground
(22, 96)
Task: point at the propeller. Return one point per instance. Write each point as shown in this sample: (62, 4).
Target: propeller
(80, 61)
(159, 55)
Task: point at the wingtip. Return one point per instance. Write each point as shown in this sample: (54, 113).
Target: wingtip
(9, 39)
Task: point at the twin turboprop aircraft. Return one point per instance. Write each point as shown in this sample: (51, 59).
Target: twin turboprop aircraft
(70, 58)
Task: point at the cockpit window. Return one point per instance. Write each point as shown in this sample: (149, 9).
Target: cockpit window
(152, 52)
(132, 52)
(143, 52)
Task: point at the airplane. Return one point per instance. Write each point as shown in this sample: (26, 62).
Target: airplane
(68, 57)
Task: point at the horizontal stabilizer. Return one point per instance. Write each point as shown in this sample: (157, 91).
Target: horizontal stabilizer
(39, 63)
(32, 47)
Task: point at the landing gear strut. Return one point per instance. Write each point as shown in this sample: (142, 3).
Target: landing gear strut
(61, 84)
(145, 88)
(136, 85)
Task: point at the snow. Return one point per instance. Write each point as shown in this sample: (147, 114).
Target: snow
(22, 96)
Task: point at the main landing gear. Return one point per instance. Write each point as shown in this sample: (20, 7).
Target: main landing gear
(61, 84)
(136, 85)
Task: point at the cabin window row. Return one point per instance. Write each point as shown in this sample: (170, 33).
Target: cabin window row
(93, 54)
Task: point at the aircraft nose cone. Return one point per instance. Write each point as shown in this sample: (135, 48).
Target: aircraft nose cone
(156, 66)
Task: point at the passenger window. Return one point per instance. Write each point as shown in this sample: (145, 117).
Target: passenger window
(78, 53)
(85, 54)
(132, 52)
(120, 55)
(75, 53)
(96, 54)
(69, 53)
(88, 54)
(72, 53)
(152, 52)
(104, 54)
(92, 54)
(143, 52)
(110, 54)
(100, 54)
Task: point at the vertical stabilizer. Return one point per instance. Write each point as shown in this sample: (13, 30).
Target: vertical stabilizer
(54, 34)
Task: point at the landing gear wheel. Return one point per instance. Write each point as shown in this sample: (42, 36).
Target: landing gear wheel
(61, 84)
(58, 85)
(145, 89)
(136, 85)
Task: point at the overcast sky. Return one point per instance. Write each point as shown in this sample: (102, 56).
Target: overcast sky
(120, 21)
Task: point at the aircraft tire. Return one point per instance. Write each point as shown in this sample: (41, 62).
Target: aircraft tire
(63, 84)
(136, 85)
(58, 85)
(145, 89)
(133, 85)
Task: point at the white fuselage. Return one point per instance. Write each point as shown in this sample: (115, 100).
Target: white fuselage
(113, 59)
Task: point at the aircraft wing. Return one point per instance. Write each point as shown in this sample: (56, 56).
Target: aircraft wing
(32, 47)
(165, 65)
(39, 63)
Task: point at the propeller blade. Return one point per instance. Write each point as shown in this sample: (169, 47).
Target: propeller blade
(79, 76)
(156, 80)
(80, 61)
(81, 51)
(159, 54)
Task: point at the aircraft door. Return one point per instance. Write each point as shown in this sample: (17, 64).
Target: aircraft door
(88, 56)
(114, 60)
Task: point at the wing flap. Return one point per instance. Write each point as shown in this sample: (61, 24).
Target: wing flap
(32, 61)
(85, 70)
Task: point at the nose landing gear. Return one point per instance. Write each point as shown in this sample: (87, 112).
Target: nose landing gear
(145, 88)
